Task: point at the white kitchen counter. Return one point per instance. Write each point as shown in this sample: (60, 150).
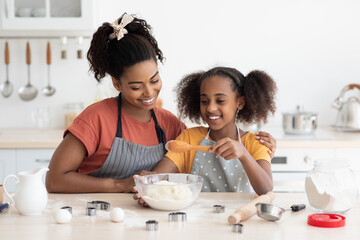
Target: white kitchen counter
(202, 222)
(30, 138)
(324, 137)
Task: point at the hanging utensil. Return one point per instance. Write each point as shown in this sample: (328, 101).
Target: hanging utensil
(6, 88)
(48, 90)
(273, 213)
(28, 92)
(180, 147)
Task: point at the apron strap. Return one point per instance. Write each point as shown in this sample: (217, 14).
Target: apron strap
(119, 126)
(159, 131)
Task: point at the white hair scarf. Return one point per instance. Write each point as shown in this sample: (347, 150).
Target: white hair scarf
(119, 28)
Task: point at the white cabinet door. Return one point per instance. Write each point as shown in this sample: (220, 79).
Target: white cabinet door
(29, 159)
(290, 167)
(353, 156)
(7, 166)
(299, 159)
(50, 15)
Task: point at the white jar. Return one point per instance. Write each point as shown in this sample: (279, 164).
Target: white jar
(331, 186)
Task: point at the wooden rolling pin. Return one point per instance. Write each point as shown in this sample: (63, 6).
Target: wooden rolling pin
(249, 209)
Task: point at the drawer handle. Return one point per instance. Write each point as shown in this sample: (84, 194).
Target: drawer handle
(42, 160)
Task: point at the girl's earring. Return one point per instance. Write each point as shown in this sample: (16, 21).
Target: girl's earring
(237, 114)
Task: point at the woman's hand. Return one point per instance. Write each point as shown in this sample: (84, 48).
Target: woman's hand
(228, 149)
(268, 140)
(128, 184)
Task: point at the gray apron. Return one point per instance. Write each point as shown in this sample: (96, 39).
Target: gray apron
(127, 158)
(220, 175)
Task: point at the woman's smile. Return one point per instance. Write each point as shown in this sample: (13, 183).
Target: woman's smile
(148, 101)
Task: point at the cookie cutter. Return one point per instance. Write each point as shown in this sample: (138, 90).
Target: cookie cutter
(90, 211)
(68, 208)
(237, 227)
(152, 225)
(218, 208)
(99, 205)
(177, 217)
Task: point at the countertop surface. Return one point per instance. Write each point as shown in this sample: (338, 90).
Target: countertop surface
(202, 222)
(323, 137)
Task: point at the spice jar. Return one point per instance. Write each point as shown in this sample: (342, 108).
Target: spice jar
(331, 186)
(72, 111)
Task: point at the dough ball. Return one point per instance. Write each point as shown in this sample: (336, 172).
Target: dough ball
(117, 214)
(62, 216)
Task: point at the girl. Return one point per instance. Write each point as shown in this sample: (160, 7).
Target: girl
(221, 97)
(118, 137)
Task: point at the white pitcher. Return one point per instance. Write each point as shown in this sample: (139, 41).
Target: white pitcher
(30, 196)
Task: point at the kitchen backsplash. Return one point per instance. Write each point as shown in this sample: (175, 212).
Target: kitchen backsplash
(311, 58)
(70, 78)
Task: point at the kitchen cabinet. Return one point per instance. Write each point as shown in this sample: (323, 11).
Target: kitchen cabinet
(47, 17)
(7, 166)
(353, 156)
(28, 159)
(290, 165)
(13, 161)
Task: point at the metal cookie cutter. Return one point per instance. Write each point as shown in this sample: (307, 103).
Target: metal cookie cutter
(177, 217)
(99, 205)
(152, 225)
(90, 211)
(237, 227)
(67, 208)
(218, 208)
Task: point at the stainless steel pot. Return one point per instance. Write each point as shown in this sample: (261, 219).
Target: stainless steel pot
(348, 117)
(299, 122)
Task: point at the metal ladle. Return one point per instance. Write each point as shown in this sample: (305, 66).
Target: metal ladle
(28, 92)
(48, 90)
(273, 213)
(6, 88)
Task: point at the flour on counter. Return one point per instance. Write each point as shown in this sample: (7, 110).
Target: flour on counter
(165, 195)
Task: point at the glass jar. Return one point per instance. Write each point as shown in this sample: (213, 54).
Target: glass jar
(331, 186)
(72, 111)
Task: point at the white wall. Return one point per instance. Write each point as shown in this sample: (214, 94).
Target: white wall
(310, 48)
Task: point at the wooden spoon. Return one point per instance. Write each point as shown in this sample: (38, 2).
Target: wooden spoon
(180, 147)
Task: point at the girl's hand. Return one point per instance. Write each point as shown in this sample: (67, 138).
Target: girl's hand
(268, 140)
(137, 196)
(228, 149)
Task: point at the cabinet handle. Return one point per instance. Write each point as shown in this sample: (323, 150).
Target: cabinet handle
(42, 160)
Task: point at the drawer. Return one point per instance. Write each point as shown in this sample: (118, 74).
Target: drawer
(289, 181)
(295, 159)
(351, 154)
(29, 159)
(7, 167)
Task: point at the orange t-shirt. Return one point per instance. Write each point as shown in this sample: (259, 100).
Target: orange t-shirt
(96, 128)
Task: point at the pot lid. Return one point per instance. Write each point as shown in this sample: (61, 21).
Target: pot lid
(299, 111)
